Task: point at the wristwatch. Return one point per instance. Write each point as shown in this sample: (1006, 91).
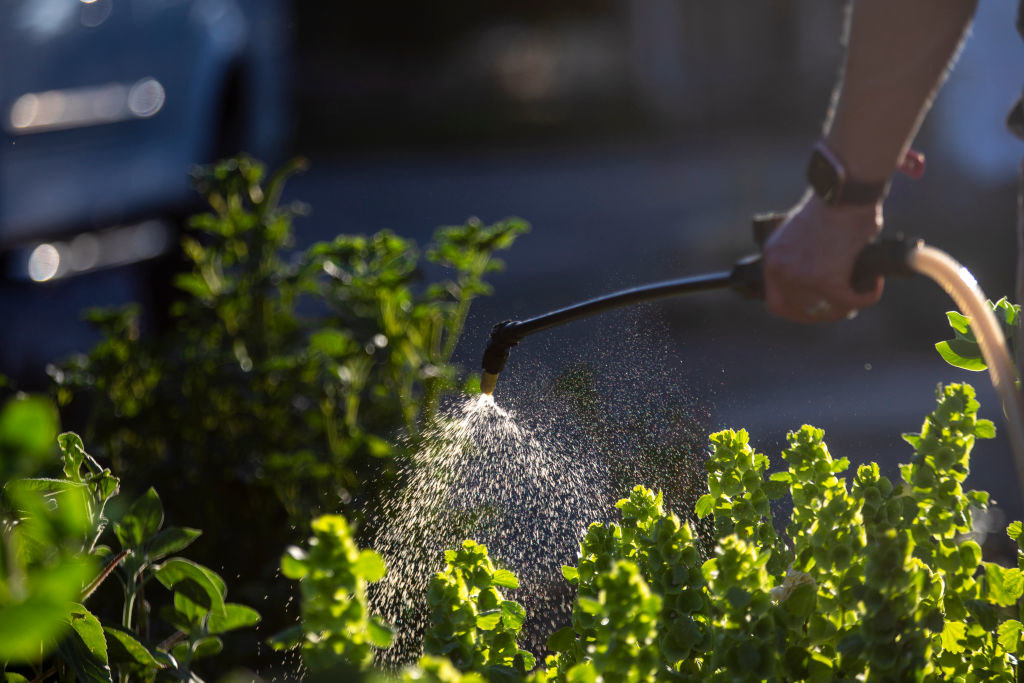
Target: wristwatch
(830, 181)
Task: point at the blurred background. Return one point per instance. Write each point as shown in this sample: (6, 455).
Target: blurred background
(637, 136)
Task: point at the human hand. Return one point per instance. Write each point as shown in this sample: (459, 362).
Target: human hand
(808, 261)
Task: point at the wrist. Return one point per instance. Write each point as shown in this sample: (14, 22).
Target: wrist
(831, 179)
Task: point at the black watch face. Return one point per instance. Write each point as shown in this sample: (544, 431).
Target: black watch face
(822, 176)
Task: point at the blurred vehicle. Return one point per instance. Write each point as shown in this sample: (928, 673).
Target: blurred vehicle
(105, 105)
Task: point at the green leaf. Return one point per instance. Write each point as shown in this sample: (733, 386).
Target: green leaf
(738, 597)
(235, 616)
(851, 645)
(25, 627)
(140, 521)
(42, 485)
(89, 629)
(85, 649)
(505, 579)
(802, 600)
(571, 574)
(978, 499)
(207, 647)
(105, 483)
(1014, 529)
(775, 489)
(168, 541)
(705, 506)
(589, 605)
(1009, 635)
(199, 584)
(953, 634)
(961, 354)
(10, 677)
(1005, 586)
(985, 429)
(984, 612)
(959, 322)
(295, 563)
(28, 428)
(369, 565)
(487, 621)
(186, 614)
(562, 640)
(73, 450)
(379, 633)
(193, 284)
(512, 614)
(123, 648)
(333, 343)
(286, 639)
(583, 673)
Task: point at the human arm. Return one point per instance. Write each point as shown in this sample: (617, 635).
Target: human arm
(898, 53)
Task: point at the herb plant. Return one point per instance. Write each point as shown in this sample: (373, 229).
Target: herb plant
(880, 581)
(53, 565)
(336, 630)
(278, 389)
(336, 635)
(962, 351)
(471, 621)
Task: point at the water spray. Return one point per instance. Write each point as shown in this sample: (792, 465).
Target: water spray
(886, 257)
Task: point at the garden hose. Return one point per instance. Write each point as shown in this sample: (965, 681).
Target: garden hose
(885, 257)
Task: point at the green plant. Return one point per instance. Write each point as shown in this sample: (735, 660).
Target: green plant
(44, 569)
(472, 623)
(880, 580)
(53, 564)
(278, 389)
(962, 351)
(336, 630)
(336, 635)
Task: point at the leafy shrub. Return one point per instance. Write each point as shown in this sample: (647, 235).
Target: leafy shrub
(336, 630)
(280, 386)
(53, 563)
(881, 581)
(871, 581)
(471, 622)
(336, 635)
(339, 339)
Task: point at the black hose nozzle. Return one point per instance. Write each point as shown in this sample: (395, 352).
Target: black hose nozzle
(503, 338)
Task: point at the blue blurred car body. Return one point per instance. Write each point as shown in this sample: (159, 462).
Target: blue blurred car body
(106, 104)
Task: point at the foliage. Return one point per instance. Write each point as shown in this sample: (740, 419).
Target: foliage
(881, 582)
(336, 629)
(963, 351)
(338, 339)
(278, 388)
(53, 564)
(336, 636)
(471, 622)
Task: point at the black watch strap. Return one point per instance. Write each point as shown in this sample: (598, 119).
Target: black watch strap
(827, 176)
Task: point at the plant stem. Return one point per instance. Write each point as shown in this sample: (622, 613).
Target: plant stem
(129, 603)
(101, 577)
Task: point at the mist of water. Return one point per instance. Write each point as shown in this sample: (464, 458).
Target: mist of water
(526, 480)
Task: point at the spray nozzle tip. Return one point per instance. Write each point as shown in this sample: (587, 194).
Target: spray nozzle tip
(488, 380)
